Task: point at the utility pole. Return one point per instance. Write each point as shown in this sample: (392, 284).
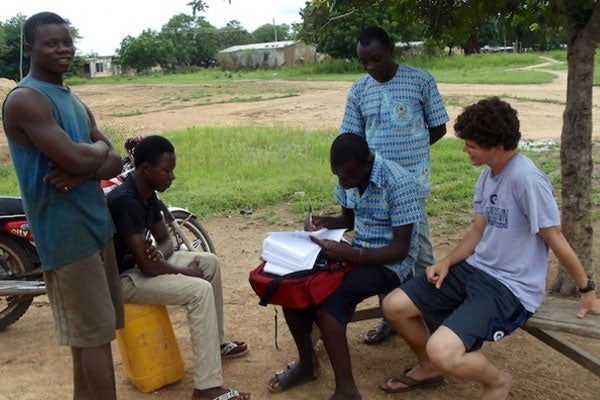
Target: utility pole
(275, 29)
(21, 50)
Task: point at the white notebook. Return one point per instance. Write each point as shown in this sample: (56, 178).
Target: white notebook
(287, 252)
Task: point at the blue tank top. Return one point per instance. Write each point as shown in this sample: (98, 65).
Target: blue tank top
(66, 226)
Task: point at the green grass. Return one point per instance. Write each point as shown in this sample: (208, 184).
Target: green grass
(222, 170)
(499, 68)
(452, 181)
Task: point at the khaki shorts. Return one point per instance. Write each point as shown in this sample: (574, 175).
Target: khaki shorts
(86, 300)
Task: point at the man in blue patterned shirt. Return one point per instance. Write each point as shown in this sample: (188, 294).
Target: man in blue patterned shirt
(400, 112)
(380, 203)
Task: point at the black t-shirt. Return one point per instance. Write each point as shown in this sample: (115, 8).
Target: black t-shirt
(131, 215)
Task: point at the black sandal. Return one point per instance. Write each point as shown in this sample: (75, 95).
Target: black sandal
(290, 377)
(379, 333)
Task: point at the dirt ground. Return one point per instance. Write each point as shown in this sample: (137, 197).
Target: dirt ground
(33, 367)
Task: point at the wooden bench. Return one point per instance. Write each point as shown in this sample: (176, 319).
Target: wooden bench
(554, 315)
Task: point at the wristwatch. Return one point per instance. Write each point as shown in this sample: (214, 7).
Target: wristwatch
(590, 287)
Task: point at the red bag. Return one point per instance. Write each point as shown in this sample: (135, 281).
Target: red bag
(299, 289)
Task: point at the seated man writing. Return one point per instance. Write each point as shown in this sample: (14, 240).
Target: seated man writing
(380, 203)
(493, 281)
(159, 275)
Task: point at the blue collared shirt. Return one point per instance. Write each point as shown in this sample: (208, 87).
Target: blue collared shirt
(390, 200)
(395, 117)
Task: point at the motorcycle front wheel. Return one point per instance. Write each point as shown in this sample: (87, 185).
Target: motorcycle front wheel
(193, 230)
(14, 261)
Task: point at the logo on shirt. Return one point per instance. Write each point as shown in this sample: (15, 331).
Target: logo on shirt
(496, 216)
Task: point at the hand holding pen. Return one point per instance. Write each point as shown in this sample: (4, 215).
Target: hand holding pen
(309, 224)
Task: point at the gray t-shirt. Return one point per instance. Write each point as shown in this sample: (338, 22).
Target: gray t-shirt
(516, 204)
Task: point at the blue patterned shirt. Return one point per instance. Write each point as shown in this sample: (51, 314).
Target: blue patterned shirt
(390, 200)
(395, 117)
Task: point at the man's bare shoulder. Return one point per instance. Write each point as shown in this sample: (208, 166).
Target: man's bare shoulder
(21, 96)
(22, 106)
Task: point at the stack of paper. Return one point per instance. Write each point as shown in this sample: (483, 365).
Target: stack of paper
(287, 252)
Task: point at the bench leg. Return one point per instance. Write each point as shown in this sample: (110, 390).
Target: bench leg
(567, 348)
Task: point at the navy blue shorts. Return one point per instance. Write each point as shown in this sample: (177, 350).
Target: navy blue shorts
(473, 304)
(362, 282)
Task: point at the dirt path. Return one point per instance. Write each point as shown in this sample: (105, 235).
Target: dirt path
(33, 367)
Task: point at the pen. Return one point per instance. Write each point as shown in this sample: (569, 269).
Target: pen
(310, 217)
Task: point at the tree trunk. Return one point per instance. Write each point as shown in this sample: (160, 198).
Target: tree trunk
(576, 155)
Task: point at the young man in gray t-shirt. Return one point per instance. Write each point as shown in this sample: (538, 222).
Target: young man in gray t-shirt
(493, 281)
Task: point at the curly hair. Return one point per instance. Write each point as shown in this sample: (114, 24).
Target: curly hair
(490, 122)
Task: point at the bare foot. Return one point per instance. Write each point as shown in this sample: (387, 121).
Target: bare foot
(215, 392)
(499, 391)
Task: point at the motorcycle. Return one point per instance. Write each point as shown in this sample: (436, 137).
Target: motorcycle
(21, 275)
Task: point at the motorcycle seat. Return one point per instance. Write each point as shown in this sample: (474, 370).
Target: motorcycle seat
(11, 207)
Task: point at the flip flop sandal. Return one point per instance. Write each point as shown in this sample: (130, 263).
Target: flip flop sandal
(379, 333)
(289, 378)
(411, 384)
(231, 394)
(234, 349)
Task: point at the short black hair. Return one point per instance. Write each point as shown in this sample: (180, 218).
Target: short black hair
(151, 149)
(490, 122)
(42, 18)
(348, 147)
(374, 33)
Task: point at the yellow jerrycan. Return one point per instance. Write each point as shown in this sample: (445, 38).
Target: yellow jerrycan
(148, 347)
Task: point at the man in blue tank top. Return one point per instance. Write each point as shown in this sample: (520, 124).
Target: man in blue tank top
(59, 156)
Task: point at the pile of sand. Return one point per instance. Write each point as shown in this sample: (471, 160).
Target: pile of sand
(5, 86)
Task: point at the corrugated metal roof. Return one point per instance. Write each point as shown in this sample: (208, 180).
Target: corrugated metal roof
(260, 46)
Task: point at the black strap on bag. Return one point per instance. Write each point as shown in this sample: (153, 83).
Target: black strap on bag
(272, 286)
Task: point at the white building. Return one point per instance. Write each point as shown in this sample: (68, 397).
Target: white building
(267, 55)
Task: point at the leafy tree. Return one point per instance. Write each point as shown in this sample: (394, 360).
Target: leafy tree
(182, 42)
(10, 54)
(333, 27)
(141, 53)
(233, 34)
(580, 21)
(271, 33)
(3, 45)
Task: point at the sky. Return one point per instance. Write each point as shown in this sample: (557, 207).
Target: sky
(103, 24)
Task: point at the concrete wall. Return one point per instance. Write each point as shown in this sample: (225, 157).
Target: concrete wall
(100, 67)
(268, 58)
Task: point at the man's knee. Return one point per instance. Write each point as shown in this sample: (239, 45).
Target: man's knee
(444, 349)
(210, 264)
(397, 305)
